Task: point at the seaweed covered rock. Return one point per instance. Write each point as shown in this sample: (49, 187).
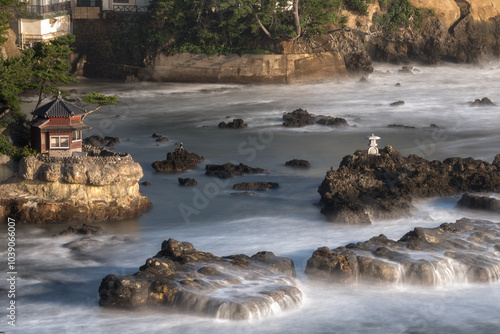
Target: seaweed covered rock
(182, 278)
(229, 170)
(463, 251)
(178, 161)
(366, 187)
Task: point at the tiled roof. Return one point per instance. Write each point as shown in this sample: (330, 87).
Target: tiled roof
(65, 128)
(59, 108)
(38, 122)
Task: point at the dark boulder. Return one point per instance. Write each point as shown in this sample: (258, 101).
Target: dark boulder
(237, 123)
(229, 170)
(98, 141)
(182, 278)
(178, 161)
(382, 186)
(484, 102)
(298, 163)
(458, 252)
(146, 183)
(255, 186)
(187, 182)
(476, 202)
(300, 118)
(406, 70)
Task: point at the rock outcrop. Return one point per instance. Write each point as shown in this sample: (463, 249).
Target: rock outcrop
(178, 161)
(476, 202)
(255, 186)
(237, 123)
(484, 102)
(92, 188)
(298, 163)
(464, 251)
(187, 182)
(368, 187)
(300, 118)
(98, 141)
(179, 277)
(229, 170)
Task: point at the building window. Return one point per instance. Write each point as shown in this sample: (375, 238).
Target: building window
(76, 136)
(59, 142)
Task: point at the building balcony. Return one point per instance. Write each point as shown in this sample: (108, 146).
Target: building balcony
(49, 9)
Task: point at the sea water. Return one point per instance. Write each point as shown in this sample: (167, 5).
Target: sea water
(57, 288)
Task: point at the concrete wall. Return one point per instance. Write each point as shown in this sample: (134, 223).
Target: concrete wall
(288, 68)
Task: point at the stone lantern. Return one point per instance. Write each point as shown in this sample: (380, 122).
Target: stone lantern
(372, 145)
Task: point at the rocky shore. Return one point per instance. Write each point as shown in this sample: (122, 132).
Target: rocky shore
(56, 190)
(366, 187)
(179, 277)
(464, 251)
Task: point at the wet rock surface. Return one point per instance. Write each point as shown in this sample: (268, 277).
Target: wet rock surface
(235, 287)
(299, 118)
(400, 126)
(463, 251)
(255, 186)
(84, 229)
(382, 187)
(187, 182)
(237, 123)
(229, 170)
(99, 141)
(477, 202)
(298, 163)
(397, 103)
(178, 161)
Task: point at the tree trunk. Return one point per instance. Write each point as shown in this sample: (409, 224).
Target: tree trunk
(263, 28)
(40, 95)
(89, 112)
(296, 19)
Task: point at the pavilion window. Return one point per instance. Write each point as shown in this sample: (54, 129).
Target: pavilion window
(76, 136)
(59, 142)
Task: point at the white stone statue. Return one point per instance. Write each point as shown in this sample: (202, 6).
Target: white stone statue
(372, 145)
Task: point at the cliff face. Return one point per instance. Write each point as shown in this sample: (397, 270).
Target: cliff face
(9, 48)
(51, 190)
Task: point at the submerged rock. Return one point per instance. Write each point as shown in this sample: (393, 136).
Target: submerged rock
(298, 163)
(300, 118)
(484, 102)
(458, 252)
(255, 186)
(229, 170)
(237, 123)
(397, 103)
(178, 161)
(476, 202)
(400, 126)
(236, 287)
(84, 229)
(382, 186)
(187, 182)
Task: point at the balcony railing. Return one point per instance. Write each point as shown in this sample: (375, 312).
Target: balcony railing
(53, 8)
(130, 9)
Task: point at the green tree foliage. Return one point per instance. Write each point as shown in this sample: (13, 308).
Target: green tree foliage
(100, 100)
(16, 153)
(213, 26)
(50, 66)
(400, 14)
(15, 74)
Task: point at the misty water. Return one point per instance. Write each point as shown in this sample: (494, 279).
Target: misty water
(58, 288)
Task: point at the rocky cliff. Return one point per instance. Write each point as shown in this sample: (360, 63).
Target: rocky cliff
(92, 188)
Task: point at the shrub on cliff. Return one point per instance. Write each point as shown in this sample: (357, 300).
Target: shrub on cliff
(400, 14)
